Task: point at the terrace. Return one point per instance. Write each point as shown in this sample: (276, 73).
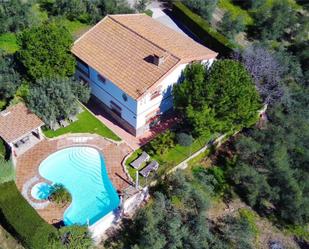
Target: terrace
(27, 174)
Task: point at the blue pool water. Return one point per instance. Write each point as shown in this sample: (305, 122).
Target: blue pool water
(41, 191)
(83, 173)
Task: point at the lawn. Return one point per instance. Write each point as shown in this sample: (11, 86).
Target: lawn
(168, 160)
(8, 43)
(7, 172)
(76, 28)
(236, 10)
(86, 123)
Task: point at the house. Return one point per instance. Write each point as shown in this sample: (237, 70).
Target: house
(20, 128)
(131, 63)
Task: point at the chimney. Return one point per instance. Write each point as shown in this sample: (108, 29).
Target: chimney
(158, 60)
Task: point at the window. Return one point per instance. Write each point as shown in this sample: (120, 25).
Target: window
(153, 117)
(115, 108)
(83, 67)
(125, 97)
(156, 93)
(101, 78)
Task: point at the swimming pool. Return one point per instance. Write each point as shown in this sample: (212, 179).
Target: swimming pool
(83, 172)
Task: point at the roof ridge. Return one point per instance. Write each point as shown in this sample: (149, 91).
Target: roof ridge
(131, 30)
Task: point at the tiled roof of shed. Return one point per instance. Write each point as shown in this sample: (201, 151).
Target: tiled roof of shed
(17, 121)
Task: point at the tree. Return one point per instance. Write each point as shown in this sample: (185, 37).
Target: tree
(9, 79)
(202, 121)
(89, 11)
(230, 26)
(220, 99)
(255, 4)
(140, 5)
(266, 71)
(53, 99)
(191, 91)
(204, 8)
(174, 219)
(232, 95)
(45, 51)
(272, 22)
(270, 173)
(15, 15)
(83, 10)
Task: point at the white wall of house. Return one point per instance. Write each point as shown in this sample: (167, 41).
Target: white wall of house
(136, 113)
(147, 106)
(108, 91)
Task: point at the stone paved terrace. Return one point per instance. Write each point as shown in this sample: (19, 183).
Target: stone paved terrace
(134, 142)
(28, 163)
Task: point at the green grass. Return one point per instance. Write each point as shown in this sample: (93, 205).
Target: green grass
(21, 220)
(8, 43)
(76, 28)
(168, 160)
(40, 14)
(2, 149)
(148, 12)
(86, 123)
(301, 232)
(236, 11)
(197, 160)
(7, 172)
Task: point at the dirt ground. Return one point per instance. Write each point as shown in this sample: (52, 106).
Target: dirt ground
(7, 241)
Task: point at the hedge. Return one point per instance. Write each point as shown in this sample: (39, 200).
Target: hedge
(2, 149)
(203, 30)
(21, 220)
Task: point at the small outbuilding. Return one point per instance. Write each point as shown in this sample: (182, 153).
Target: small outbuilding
(20, 128)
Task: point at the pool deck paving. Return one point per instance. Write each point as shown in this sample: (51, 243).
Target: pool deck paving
(28, 163)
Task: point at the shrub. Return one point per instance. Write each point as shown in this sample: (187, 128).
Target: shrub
(60, 195)
(251, 218)
(231, 26)
(161, 143)
(7, 172)
(213, 179)
(203, 30)
(148, 12)
(75, 237)
(184, 139)
(2, 149)
(21, 220)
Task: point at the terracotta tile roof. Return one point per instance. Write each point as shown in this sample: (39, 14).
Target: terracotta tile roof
(120, 47)
(17, 121)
